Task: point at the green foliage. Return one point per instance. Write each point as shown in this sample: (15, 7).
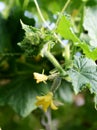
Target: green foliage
(19, 95)
(84, 74)
(29, 43)
(35, 39)
(89, 51)
(65, 29)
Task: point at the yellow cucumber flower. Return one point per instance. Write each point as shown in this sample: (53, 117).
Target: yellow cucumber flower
(46, 101)
(40, 77)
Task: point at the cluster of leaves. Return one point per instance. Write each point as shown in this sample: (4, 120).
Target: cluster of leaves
(35, 39)
(22, 43)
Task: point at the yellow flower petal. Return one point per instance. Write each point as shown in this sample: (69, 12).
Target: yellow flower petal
(40, 97)
(53, 106)
(45, 106)
(38, 103)
(40, 77)
(46, 101)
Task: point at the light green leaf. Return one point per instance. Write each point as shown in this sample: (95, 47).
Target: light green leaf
(88, 51)
(36, 40)
(84, 74)
(31, 34)
(90, 24)
(65, 29)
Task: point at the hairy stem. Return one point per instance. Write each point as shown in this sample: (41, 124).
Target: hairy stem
(54, 62)
(40, 13)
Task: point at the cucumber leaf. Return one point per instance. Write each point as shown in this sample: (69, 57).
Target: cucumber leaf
(84, 75)
(21, 94)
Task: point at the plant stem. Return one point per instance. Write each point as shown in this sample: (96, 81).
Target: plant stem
(64, 8)
(47, 53)
(67, 52)
(46, 120)
(82, 18)
(41, 16)
(43, 19)
(54, 62)
(25, 3)
(56, 84)
(18, 3)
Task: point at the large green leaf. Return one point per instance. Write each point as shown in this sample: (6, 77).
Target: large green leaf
(20, 94)
(65, 29)
(90, 24)
(84, 74)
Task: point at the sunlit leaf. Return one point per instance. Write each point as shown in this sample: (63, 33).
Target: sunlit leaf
(65, 29)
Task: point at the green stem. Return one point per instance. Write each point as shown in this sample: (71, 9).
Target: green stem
(64, 8)
(82, 18)
(18, 3)
(41, 16)
(54, 62)
(46, 120)
(56, 84)
(25, 4)
(67, 52)
(47, 53)
(43, 19)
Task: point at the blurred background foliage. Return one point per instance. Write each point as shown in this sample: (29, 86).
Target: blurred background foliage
(17, 87)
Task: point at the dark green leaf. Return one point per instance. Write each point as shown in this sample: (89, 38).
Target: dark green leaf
(4, 36)
(21, 94)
